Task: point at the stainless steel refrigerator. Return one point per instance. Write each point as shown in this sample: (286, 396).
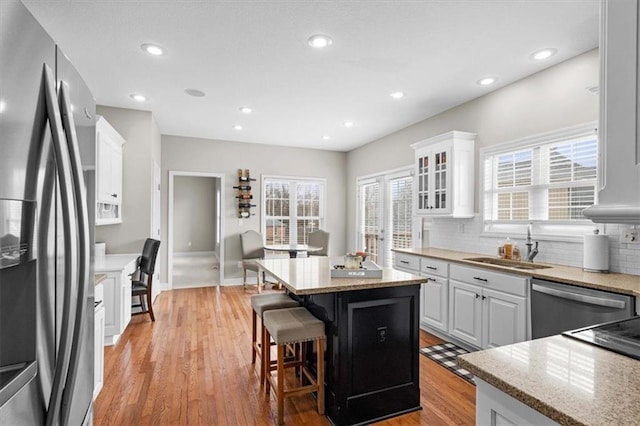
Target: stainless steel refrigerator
(47, 198)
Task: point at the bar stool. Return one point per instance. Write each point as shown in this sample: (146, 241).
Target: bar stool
(260, 304)
(294, 326)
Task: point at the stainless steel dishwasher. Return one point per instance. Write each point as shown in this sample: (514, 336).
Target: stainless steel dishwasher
(556, 307)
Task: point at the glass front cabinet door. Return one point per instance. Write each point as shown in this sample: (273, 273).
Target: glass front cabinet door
(444, 175)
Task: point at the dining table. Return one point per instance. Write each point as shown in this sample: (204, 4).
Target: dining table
(292, 249)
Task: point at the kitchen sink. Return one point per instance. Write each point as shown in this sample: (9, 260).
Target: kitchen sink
(509, 263)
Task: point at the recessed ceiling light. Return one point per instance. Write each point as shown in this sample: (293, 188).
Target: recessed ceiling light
(397, 95)
(152, 49)
(246, 110)
(348, 124)
(487, 81)
(326, 137)
(195, 93)
(237, 127)
(543, 54)
(138, 98)
(319, 41)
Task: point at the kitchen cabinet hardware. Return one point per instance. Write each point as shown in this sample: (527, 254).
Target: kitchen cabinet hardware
(481, 279)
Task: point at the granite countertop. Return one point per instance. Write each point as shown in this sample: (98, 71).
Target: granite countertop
(569, 381)
(615, 282)
(98, 278)
(114, 262)
(312, 275)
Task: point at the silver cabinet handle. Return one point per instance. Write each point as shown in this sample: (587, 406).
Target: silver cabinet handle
(63, 163)
(83, 251)
(592, 300)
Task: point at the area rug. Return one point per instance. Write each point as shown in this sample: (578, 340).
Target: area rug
(445, 355)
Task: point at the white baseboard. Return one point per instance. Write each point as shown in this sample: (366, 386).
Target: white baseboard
(195, 253)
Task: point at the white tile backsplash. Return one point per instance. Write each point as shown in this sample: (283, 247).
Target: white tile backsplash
(624, 257)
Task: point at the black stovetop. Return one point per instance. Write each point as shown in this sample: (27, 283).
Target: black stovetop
(622, 336)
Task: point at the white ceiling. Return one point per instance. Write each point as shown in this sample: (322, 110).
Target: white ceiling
(255, 53)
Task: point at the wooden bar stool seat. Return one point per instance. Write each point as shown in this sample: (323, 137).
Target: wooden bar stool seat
(294, 326)
(262, 303)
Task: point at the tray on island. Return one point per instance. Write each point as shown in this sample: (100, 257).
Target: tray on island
(368, 269)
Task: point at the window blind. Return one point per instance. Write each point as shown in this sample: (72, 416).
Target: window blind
(551, 181)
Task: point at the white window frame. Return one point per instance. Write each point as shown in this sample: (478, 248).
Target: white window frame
(293, 211)
(570, 230)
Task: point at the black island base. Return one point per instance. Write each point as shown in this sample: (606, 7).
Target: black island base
(372, 354)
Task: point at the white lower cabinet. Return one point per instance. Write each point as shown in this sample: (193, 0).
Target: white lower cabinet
(478, 306)
(496, 408)
(483, 316)
(434, 304)
(465, 312)
(117, 300)
(98, 348)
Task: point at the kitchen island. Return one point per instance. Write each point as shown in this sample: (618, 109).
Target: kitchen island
(372, 328)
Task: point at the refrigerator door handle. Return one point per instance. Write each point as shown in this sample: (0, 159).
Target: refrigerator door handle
(84, 253)
(63, 164)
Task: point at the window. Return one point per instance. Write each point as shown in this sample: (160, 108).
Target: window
(547, 180)
(292, 207)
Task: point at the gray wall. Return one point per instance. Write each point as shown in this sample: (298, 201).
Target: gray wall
(142, 148)
(551, 99)
(224, 157)
(194, 214)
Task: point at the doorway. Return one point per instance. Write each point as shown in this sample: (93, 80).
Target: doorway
(385, 214)
(195, 222)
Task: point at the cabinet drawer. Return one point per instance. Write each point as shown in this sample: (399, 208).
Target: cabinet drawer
(407, 262)
(498, 281)
(431, 266)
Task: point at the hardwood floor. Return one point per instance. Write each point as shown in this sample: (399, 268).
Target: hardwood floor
(193, 366)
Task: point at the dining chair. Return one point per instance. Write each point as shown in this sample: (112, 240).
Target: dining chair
(252, 247)
(142, 279)
(318, 238)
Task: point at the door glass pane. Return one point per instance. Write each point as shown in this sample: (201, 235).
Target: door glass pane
(400, 217)
(370, 218)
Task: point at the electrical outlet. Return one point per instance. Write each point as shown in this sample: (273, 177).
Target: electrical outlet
(631, 236)
(629, 233)
(461, 228)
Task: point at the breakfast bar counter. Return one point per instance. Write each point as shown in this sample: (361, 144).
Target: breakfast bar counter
(372, 329)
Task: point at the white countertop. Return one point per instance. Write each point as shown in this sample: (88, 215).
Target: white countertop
(312, 275)
(114, 262)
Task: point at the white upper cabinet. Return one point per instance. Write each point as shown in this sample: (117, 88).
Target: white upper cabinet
(108, 173)
(444, 177)
(619, 129)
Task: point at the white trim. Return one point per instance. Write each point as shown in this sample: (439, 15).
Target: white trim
(172, 175)
(384, 173)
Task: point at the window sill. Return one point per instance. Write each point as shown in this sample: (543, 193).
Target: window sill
(550, 231)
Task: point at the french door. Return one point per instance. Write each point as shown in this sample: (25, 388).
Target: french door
(385, 215)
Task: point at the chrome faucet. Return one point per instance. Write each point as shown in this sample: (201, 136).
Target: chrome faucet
(531, 253)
